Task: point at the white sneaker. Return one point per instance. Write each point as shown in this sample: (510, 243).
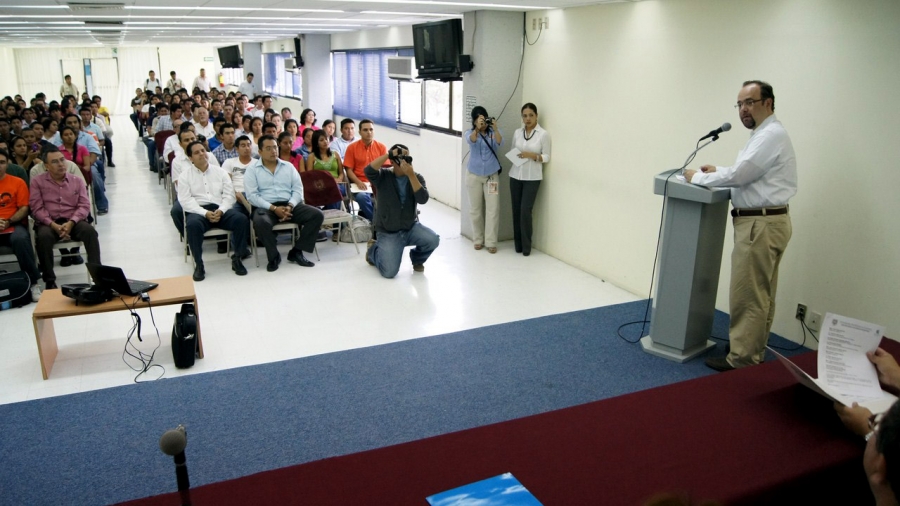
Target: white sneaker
(36, 292)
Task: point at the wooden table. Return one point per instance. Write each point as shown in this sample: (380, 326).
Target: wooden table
(53, 304)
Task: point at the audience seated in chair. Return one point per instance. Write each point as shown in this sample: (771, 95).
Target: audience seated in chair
(274, 189)
(60, 206)
(207, 196)
(14, 223)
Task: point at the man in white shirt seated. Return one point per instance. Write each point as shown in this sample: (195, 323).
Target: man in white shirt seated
(248, 88)
(207, 197)
(236, 167)
(179, 164)
(171, 145)
(202, 123)
(348, 137)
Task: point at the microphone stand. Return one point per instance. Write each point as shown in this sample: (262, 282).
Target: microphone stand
(690, 158)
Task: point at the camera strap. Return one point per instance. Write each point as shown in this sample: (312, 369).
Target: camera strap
(487, 141)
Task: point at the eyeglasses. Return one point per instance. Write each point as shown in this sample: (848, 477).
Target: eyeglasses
(749, 102)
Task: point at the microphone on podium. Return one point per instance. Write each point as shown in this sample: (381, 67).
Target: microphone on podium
(715, 133)
(173, 443)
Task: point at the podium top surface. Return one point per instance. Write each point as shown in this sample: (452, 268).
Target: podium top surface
(687, 191)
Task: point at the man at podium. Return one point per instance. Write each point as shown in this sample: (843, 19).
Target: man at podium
(762, 181)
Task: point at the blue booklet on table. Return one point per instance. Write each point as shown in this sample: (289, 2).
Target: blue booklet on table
(502, 490)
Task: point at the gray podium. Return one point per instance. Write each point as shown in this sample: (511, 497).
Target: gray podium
(689, 262)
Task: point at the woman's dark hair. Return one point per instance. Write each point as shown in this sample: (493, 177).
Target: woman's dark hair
(303, 135)
(282, 136)
(254, 120)
(531, 106)
(478, 111)
(887, 443)
(318, 134)
(292, 120)
(303, 116)
(325, 124)
(74, 144)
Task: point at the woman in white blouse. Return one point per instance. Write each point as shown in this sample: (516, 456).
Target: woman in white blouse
(533, 143)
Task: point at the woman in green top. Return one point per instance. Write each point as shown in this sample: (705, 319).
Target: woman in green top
(323, 158)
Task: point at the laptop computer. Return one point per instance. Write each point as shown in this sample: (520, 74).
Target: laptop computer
(113, 278)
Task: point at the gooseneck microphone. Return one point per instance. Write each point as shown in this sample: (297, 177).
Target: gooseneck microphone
(715, 133)
(173, 443)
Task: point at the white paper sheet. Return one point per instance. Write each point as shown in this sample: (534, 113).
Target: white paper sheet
(513, 156)
(843, 364)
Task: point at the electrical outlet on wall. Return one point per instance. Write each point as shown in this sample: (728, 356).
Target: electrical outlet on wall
(814, 320)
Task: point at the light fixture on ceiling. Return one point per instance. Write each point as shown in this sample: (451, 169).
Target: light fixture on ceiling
(95, 6)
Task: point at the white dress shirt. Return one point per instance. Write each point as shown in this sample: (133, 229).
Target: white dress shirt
(201, 82)
(765, 172)
(207, 131)
(248, 89)
(172, 146)
(537, 142)
(181, 163)
(213, 186)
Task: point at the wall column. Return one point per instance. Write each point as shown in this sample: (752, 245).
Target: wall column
(496, 50)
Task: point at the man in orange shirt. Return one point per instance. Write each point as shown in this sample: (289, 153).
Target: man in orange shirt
(358, 156)
(14, 223)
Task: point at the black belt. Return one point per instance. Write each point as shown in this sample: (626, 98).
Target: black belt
(765, 211)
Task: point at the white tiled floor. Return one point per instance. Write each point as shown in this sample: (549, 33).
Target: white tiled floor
(342, 303)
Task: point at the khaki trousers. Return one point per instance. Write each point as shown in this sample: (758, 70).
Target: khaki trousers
(759, 244)
(484, 209)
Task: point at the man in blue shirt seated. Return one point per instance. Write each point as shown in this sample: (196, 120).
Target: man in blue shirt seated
(399, 190)
(274, 189)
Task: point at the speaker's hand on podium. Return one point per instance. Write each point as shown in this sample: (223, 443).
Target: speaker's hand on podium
(689, 174)
(708, 168)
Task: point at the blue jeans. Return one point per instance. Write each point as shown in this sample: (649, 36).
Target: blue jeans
(152, 157)
(387, 253)
(365, 205)
(99, 186)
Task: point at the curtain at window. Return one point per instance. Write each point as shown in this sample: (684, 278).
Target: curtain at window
(362, 87)
(133, 64)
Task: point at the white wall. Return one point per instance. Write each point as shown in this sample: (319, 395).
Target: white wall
(187, 61)
(627, 89)
(376, 38)
(9, 78)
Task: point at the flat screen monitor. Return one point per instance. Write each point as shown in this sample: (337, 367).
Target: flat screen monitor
(230, 57)
(437, 47)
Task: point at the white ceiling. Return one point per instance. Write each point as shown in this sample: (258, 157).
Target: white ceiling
(152, 22)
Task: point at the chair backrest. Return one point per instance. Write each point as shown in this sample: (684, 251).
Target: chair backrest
(319, 188)
(171, 157)
(160, 138)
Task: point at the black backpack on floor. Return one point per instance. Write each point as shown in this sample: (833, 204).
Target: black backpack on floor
(15, 288)
(184, 337)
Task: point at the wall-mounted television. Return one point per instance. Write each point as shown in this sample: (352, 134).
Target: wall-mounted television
(230, 57)
(437, 47)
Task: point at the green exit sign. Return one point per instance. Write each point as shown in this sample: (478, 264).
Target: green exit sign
(207, 58)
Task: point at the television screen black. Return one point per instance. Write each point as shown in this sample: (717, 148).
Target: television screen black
(230, 57)
(437, 47)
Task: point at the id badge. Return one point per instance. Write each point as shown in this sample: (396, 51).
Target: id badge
(493, 188)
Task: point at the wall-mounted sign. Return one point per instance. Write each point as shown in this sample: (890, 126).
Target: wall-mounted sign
(207, 58)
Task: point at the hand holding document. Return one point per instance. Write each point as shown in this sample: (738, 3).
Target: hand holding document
(846, 374)
(513, 156)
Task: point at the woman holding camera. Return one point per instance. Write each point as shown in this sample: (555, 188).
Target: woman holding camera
(533, 143)
(482, 179)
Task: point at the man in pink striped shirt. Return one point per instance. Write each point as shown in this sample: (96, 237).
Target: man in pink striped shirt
(60, 206)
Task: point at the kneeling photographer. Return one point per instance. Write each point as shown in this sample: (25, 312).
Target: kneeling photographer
(398, 191)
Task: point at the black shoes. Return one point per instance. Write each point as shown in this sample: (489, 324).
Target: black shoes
(272, 266)
(65, 261)
(719, 364)
(297, 257)
(238, 267)
(222, 248)
(200, 273)
(50, 285)
(77, 260)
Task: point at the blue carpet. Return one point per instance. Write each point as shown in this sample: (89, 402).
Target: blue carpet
(100, 447)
